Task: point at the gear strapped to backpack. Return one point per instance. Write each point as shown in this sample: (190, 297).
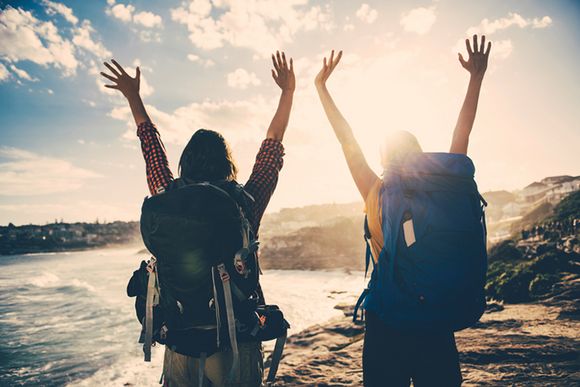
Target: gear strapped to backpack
(199, 294)
(431, 272)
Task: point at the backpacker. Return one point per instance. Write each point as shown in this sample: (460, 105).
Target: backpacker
(199, 293)
(431, 271)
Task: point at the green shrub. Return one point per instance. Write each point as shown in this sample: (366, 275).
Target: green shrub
(542, 285)
(504, 251)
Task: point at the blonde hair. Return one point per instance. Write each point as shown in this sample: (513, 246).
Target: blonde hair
(398, 145)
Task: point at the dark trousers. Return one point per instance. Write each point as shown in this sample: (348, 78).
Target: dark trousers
(393, 358)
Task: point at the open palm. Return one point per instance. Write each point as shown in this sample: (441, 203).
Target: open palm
(122, 81)
(476, 62)
(327, 68)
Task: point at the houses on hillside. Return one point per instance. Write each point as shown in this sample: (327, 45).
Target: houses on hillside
(508, 209)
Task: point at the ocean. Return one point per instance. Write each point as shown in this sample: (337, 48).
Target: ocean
(65, 318)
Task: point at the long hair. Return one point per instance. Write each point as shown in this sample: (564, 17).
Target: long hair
(207, 157)
(397, 146)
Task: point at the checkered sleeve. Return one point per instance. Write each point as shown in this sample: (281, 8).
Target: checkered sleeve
(264, 178)
(158, 173)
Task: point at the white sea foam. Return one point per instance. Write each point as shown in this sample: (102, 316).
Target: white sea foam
(95, 330)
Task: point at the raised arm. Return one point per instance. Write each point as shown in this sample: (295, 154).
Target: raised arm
(157, 167)
(476, 64)
(363, 175)
(284, 77)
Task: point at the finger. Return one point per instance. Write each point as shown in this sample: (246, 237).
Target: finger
(112, 87)
(274, 62)
(475, 46)
(488, 49)
(324, 63)
(482, 47)
(137, 73)
(110, 78)
(284, 60)
(338, 58)
(331, 60)
(111, 69)
(118, 66)
(291, 65)
(468, 45)
(461, 60)
(279, 59)
(274, 76)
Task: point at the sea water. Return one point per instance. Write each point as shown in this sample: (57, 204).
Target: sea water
(65, 318)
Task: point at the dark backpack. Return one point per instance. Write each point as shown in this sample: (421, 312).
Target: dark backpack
(199, 294)
(431, 272)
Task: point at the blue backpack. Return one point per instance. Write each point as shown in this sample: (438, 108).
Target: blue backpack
(431, 272)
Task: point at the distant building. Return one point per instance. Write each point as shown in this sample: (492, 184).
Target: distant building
(534, 192)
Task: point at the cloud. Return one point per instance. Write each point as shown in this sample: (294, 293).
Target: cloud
(489, 27)
(22, 74)
(502, 48)
(24, 173)
(122, 12)
(241, 79)
(82, 38)
(197, 59)
(261, 25)
(4, 73)
(53, 8)
(419, 20)
(237, 120)
(24, 37)
(127, 13)
(148, 19)
(367, 14)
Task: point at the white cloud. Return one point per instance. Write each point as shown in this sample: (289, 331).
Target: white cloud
(148, 19)
(22, 74)
(238, 120)
(144, 19)
(419, 20)
(122, 12)
(367, 14)
(24, 37)
(241, 79)
(53, 8)
(4, 73)
(197, 59)
(259, 25)
(24, 173)
(488, 27)
(82, 38)
(502, 48)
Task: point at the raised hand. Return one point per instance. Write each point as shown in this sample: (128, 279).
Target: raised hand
(327, 68)
(476, 63)
(282, 73)
(122, 81)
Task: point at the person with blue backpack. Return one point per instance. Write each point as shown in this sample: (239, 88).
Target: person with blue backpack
(426, 240)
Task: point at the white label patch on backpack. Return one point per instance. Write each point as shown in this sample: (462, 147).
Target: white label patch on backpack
(409, 232)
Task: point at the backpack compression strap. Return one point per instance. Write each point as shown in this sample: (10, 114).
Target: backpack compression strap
(276, 357)
(225, 277)
(152, 300)
(368, 259)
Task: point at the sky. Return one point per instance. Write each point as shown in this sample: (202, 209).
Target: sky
(68, 148)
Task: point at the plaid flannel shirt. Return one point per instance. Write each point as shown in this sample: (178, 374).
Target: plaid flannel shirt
(260, 185)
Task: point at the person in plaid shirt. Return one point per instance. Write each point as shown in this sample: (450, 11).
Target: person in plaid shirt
(207, 157)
